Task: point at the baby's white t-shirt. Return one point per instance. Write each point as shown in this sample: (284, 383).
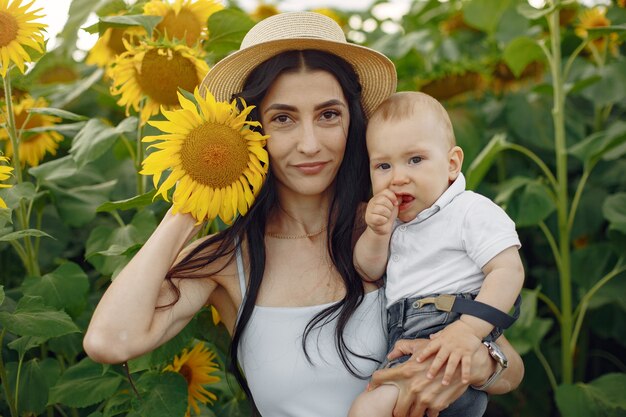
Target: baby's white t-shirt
(443, 249)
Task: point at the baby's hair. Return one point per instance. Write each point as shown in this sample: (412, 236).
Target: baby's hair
(406, 104)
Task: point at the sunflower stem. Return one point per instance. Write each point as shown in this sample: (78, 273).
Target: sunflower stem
(117, 218)
(129, 147)
(31, 265)
(10, 118)
(5, 381)
(141, 189)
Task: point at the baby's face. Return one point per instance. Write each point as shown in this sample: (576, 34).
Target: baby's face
(412, 158)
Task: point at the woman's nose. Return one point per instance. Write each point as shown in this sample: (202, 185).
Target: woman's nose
(308, 143)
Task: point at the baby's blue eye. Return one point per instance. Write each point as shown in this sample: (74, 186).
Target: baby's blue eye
(415, 160)
(384, 165)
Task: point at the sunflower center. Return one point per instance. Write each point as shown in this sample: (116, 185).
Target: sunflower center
(162, 73)
(187, 373)
(33, 121)
(185, 26)
(214, 155)
(115, 43)
(8, 29)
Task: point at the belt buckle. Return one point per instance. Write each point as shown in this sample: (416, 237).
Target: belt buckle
(445, 302)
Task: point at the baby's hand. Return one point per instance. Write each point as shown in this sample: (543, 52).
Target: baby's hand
(456, 343)
(381, 211)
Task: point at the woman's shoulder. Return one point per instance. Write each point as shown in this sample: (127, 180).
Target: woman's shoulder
(208, 256)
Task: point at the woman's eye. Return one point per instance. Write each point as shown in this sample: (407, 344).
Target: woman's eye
(415, 160)
(330, 114)
(281, 118)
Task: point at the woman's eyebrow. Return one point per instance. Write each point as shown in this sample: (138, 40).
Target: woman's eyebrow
(278, 106)
(287, 107)
(332, 102)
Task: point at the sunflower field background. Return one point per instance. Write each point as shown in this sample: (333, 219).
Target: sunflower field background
(537, 99)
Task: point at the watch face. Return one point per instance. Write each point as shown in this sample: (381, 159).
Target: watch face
(497, 354)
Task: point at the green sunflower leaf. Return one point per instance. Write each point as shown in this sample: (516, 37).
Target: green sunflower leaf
(136, 202)
(32, 318)
(483, 162)
(520, 52)
(96, 137)
(85, 384)
(227, 28)
(65, 287)
(64, 114)
(164, 394)
(23, 233)
(147, 22)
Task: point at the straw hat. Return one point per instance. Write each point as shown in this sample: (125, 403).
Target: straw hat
(298, 31)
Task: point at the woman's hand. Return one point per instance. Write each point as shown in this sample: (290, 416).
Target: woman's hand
(420, 395)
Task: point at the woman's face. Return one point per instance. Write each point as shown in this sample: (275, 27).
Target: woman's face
(307, 117)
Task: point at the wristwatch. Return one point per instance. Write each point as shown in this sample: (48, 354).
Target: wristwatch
(501, 364)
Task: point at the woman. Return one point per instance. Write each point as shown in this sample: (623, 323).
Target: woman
(307, 331)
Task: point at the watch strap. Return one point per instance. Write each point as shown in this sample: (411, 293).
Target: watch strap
(500, 367)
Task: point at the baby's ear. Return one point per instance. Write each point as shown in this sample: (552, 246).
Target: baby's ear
(455, 162)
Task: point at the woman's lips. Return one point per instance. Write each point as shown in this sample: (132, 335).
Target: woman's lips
(311, 168)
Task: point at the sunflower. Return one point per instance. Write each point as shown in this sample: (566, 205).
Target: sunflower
(197, 366)
(332, 14)
(595, 18)
(454, 85)
(18, 30)
(184, 19)
(33, 147)
(503, 79)
(217, 160)
(263, 11)
(5, 173)
(111, 44)
(156, 73)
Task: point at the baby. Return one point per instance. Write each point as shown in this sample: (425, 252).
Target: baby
(450, 255)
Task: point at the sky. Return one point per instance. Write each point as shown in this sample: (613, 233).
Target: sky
(55, 12)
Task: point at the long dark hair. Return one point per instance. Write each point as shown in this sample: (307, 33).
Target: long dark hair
(350, 189)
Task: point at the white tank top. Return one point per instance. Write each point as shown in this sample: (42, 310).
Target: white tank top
(282, 381)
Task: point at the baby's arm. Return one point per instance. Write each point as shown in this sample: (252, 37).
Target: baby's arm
(371, 250)
(504, 276)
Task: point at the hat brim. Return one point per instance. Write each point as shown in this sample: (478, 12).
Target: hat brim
(377, 74)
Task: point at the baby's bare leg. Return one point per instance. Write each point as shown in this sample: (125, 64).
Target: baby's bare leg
(376, 403)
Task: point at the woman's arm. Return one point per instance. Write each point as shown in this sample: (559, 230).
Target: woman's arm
(126, 322)
(419, 395)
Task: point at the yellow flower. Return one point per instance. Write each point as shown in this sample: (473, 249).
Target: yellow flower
(454, 86)
(595, 18)
(197, 366)
(111, 44)
(263, 11)
(18, 30)
(33, 146)
(217, 160)
(156, 73)
(332, 14)
(504, 80)
(5, 173)
(215, 316)
(184, 19)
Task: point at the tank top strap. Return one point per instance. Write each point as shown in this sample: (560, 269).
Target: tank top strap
(241, 273)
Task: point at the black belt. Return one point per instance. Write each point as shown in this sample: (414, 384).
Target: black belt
(449, 302)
